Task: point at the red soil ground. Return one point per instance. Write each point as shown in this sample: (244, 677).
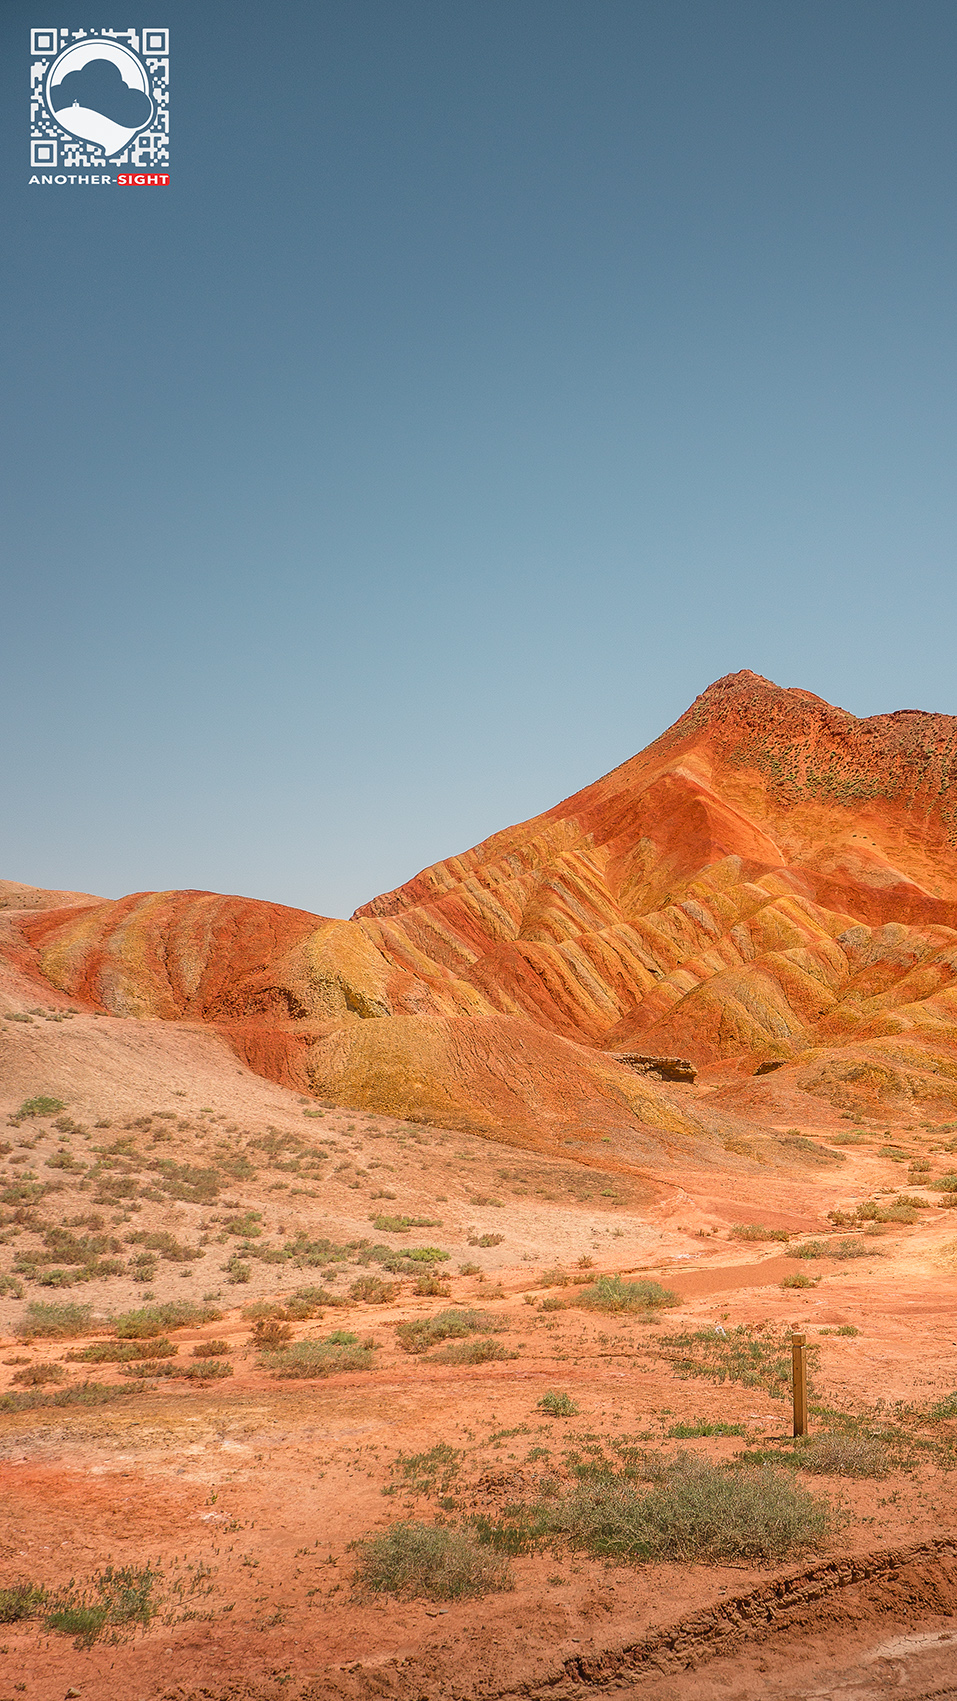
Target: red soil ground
(772, 881)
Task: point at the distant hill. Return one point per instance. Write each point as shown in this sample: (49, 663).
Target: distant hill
(772, 881)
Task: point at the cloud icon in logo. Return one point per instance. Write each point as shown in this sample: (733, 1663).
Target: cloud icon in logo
(100, 91)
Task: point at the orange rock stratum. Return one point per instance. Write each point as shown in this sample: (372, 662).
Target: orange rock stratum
(773, 881)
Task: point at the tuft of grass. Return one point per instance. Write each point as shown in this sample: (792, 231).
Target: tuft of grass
(838, 1455)
(694, 1511)
(151, 1320)
(755, 1357)
(693, 1431)
(428, 1473)
(120, 1597)
(210, 1349)
(305, 1359)
(47, 1320)
(421, 1333)
(475, 1351)
(403, 1225)
(756, 1231)
(798, 1280)
(556, 1404)
(430, 1284)
(42, 1105)
(441, 1564)
(486, 1239)
(21, 1601)
(610, 1293)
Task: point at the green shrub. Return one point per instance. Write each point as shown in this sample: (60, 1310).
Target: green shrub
(756, 1231)
(210, 1349)
(432, 1285)
(610, 1293)
(150, 1320)
(249, 1225)
(421, 1333)
(50, 1321)
(320, 1358)
(486, 1239)
(696, 1511)
(557, 1405)
(40, 1106)
(440, 1564)
(799, 1281)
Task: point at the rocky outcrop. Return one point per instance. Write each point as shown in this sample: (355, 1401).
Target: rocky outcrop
(662, 1068)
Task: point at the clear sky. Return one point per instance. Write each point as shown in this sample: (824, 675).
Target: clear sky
(492, 376)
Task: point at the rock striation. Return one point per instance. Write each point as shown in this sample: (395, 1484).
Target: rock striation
(771, 880)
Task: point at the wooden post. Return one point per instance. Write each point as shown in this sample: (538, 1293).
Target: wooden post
(799, 1381)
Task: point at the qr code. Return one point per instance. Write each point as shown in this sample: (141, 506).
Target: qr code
(99, 97)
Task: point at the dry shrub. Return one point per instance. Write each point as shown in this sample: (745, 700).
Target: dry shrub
(210, 1349)
(441, 1564)
(472, 1352)
(846, 1456)
(37, 1375)
(421, 1333)
(304, 1359)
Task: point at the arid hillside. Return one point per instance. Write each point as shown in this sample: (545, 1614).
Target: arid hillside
(772, 882)
(401, 1306)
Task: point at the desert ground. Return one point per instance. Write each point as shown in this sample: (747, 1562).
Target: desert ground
(240, 1498)
(402, 1306)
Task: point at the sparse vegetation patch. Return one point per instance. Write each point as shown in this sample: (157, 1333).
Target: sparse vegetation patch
(438, 1563)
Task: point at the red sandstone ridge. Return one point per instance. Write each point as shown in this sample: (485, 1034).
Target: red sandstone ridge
(771, 877)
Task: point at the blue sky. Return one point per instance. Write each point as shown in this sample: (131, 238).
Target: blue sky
(490, 378)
